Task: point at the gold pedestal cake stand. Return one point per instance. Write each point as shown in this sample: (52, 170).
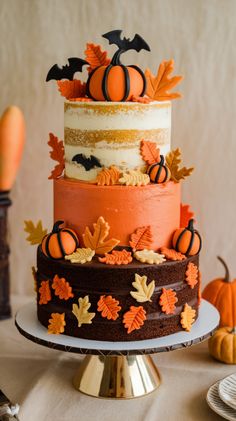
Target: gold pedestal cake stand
(120, 370)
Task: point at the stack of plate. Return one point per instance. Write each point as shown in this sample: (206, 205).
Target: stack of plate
(221, 397)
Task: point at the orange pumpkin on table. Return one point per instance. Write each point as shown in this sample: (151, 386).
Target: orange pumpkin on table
(221, 292)
(60, 242)
(158, 172)
(187, 240)
(117, 82)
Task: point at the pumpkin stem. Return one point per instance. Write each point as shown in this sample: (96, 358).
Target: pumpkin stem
(227, 276)
(161, 163)
(56, 226)
(234, 330)
(116, 58)
(190, 225)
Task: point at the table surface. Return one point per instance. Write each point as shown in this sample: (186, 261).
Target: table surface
(39, 379)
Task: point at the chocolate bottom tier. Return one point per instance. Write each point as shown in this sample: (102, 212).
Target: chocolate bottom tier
(95, 279)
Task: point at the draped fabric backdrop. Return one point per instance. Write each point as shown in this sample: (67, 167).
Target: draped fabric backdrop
(198, 34)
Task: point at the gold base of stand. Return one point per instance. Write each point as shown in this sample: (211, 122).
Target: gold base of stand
(120, 377)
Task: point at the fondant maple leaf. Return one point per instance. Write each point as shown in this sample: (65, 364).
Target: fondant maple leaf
(185, 215)
(36, 232)
(95, 56)
(45, 293)
(173, 160)
(159, 85)
(71, 89)
(97, 241)
(57, 154)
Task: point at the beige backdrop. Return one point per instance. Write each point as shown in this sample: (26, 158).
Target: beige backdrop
(198, 34)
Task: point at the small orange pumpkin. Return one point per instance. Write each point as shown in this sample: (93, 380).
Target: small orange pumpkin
(221, 292)
(222, 345)
(187, 240)
(158, 172)
(60, 242)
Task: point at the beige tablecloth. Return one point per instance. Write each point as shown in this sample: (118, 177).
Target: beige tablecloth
(39, 379)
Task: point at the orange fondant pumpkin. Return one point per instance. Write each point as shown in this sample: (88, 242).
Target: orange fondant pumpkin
(158, 172)
(187, 240)
(60, 242)
(221, 292)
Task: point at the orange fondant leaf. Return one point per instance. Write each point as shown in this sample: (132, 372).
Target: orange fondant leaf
(185, 215)
(167, 301)
(81, 99)
(109, 307)
(116, 257)
(97, 241)
(191, 275)
(56, 323)
(172, 254)
(141, 238)
(199, 294)
(134, 318)
(108, 176)
(173, 160)
(45, 293)
(57, 154)
(62, 288)
(140, 99)
(149, 151)
(95, 56)
(71, 88)
(159, 85)
(187, 317)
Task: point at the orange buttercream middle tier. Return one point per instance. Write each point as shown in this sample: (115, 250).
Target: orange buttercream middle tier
(125, 208)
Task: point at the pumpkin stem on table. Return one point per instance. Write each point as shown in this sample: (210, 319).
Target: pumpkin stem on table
(227, 276)
(56, 226)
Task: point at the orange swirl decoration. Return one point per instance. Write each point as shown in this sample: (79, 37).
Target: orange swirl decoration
(60, 242)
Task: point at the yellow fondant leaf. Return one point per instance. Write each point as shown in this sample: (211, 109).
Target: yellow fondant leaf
(81, 311)
(81, 255)
(144, 291)
(36, 232)
(149, 256)
(173, 161)
(187, 317)
(134, 178)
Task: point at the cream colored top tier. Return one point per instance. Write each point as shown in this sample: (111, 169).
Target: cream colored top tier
(109, 133)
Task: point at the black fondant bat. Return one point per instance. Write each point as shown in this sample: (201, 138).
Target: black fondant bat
(67, 71)
(88, 163)
(125, 44)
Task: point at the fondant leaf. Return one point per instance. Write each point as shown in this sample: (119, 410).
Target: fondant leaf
(173, 160)
(108, 176)
(36, 232)
(191, 275)
(140, 99)
(172, 254)
(185, 215)
(45, 293)
(159, 85)
(187, 317)
(149, 256)
(167, 301)
(134, 178)
(56, 323)
(97, 241)
(81, 311)
(143, 291)
(141, 238)
(71, 89)
(134, 318)
(57, 154)
(81, 255)
(62, 288)
(109, 307)
(116, 257)
(95, 56)
(149, 151)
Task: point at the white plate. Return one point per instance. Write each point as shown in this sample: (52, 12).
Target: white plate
(227, 390)
(217, 405)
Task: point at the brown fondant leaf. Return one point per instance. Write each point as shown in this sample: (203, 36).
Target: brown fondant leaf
(149, 151)
(159, 85)
(143, 291)
(56, 323)
(134, 318)
(187, 317)
(116, 257)
(95, 56)
(36, 232)
(134, 178)
(45, 293)
(140, 99)
(97, 241)
(173, 160)
(141, 238)
(57, 154)
(191, 275)
(172, 254)
(81, 312)
(108, 176)
(62, 288)
(109, 307)
(71, 89)
(185, 215)
(167, 301)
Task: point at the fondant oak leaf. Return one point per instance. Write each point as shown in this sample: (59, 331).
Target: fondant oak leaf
(140, 99)
(149, 151)
(143, 291)
(149, 256)
(141, 238)
(45, 293)
(185, 215)
(36, 232)
(81, 312)
(158, 86)
(187, 317)
(134, 178)
(117, 257)
(191, 275)
(167, 301)
(71, 89)
(108, 176)
(57, 154)
(95, 56)
(56, 323)
(97, 241)
(134, 318)
(109, 307)
(173, 160)
(81, 255)
(172, 254)
(62, 288)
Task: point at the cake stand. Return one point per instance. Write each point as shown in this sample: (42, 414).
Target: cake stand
(117, 369)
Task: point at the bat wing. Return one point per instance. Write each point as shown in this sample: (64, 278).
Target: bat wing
(87, 163)
(67, 71)
(114, 37)
(137, 43)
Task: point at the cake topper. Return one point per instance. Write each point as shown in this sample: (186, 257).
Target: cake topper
(137, 44)
(67, 71)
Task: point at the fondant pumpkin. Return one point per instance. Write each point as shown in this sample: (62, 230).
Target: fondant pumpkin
(60, 242)
(117, 82)
(187, 240)
(158, 172)
(222, 345)
(221, 293)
